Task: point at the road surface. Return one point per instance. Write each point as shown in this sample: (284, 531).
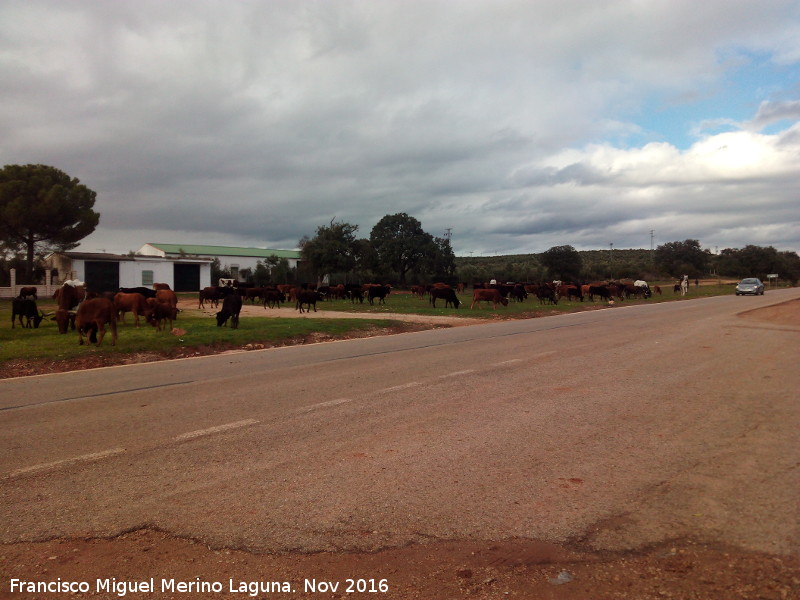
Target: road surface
(606, 430)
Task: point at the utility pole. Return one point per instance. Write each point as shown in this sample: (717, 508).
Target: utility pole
(448, 233)
(611, 260)
(652, 251)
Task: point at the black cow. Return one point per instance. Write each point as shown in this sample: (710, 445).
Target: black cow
(447, 294)
(273, 298)
(547, 294)
(599, 290)
(144, 291)
(231, 307)
(309, 298)
(378, 291)
(354, 291)
(25, 307)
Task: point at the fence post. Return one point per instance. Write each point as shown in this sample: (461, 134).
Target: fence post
(13, 282)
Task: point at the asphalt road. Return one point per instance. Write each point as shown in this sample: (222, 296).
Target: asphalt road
(613, 429)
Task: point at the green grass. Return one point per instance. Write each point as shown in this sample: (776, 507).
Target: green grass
(402, 302)
(202, 331)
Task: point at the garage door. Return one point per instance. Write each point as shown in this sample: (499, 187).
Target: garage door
(102, 276)
(187, 278)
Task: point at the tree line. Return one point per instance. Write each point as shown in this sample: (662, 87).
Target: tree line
(42, 209)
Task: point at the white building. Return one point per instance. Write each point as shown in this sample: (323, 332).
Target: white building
(231, 258)
(104, 272)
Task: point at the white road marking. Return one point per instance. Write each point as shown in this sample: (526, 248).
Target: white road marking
(336, 402)
(398, 388)
(67, 461)
(507, 362)
(457, 373)
(212, 430)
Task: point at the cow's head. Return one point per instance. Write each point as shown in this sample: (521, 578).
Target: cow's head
(37, 319)
(64, 319)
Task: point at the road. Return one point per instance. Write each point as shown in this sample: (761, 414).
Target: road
(611, 429)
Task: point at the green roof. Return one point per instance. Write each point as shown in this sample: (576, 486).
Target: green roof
(225, 251)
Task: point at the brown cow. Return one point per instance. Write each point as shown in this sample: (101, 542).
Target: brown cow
(168, 296)
(160, 312)
(492, 295)
(28, 291)
(92, 317)
(67, 297)
(161, 286)
(134, 303)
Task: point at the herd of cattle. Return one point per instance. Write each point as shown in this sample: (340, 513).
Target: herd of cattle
(306, 297)
(90, 314)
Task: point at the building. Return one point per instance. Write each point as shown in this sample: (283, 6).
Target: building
(104, 272)
(231, 258)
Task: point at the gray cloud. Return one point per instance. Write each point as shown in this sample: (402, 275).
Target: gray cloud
(255, 122)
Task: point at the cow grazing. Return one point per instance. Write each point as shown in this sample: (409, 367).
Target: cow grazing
(490, 295)
(67, 298)
(231, 307)
(134, 303)
(447, 294)
(547, 294)
(160, 313)
(28, 291)
(25, 307)
(168, 296)
(92, 317)
(309, 298)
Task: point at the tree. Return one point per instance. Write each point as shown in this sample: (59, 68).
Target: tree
(682, 258)
(367, 263)
(758, 261)
(332, 249)
(443, 261)
(401, 243)
(43, 209)
(562, 262)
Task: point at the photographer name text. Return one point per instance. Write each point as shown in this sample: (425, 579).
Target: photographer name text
(122, 588)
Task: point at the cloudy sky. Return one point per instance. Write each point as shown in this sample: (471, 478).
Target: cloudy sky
(515, 125)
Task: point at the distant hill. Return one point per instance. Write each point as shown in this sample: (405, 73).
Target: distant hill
(597, 264)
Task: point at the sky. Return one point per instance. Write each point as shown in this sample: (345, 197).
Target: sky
(511, 126)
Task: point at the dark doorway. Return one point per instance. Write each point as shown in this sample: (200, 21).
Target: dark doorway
(102, 276)
(187, 278)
